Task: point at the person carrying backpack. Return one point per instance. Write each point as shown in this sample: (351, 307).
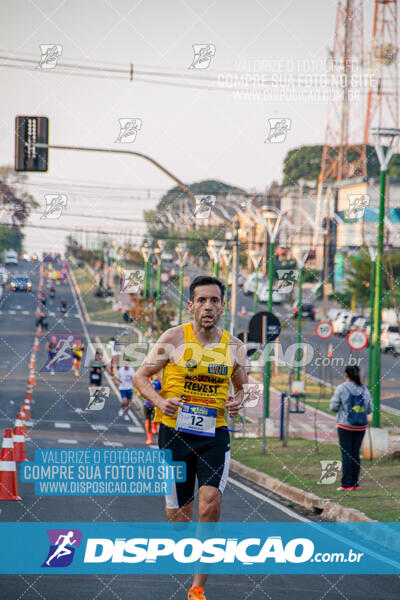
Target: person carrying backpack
(352, 403)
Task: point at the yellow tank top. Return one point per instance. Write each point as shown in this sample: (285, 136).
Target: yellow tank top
(201, 376)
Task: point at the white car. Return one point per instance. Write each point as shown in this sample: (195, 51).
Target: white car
(277, 297)
(361, 323)
(11, 257)
(333, 314)
(390, 338)
(249, 285)
(340, 323)
(240, 279)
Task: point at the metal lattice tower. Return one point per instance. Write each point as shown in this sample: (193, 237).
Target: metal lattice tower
(383, 92)
(344, 134)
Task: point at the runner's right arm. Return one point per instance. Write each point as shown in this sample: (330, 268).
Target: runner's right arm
(156, 360)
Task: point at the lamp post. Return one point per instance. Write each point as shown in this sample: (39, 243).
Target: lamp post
(226, 257)
(256, 258)
(379, 135)
(145, 252)
(235, 273)
(210, 252)
(272, 221)
(301, 256)
(157, 253)
(182, 254)
(372, 253)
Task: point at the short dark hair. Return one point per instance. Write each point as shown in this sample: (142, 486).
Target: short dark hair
(206, 280)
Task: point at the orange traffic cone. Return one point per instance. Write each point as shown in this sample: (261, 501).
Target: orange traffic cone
(36, 344)
(28, 393)
(8, 469)
(243, 311)
(21, 417)
(32, 380)
(330, 350)
(19, 441)
(26, 407)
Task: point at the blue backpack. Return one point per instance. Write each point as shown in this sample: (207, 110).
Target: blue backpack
(357, 414)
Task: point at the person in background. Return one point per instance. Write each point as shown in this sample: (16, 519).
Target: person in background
(352, 403)
(52, 351)
(96, 368)
(124, 379)
(115, 355)
(77, 351)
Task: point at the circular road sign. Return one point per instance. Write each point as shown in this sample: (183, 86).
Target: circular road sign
(324, 330)
(357, 339)
(272, 325)
(164, 277)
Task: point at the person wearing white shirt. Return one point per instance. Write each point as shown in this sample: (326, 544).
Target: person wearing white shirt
(124, 380)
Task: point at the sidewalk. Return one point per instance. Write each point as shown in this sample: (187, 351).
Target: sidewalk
(313, 424)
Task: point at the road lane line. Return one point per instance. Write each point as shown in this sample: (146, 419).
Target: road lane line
(99, 427)
(60, 425)
(107, 376)
(273, 503)
(135, 429)
(113, 444)
(67, 441)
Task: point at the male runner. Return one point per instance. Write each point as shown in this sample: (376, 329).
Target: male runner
(199, 361)
(124, 380)
(96, 368)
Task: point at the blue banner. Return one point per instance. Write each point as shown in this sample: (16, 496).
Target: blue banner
(130, 472)
(239, 548)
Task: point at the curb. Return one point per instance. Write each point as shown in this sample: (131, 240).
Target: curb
(328, 509)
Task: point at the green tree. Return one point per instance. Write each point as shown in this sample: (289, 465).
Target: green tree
(15, 208)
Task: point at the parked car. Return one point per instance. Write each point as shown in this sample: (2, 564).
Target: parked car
(340, 323)
(351, 324)
(277, 297)
(361, 323)
(11, 257)
(307, 310)
(240, 279)
(390, 338)
(333, 313)
(250, 283)
(21, 283)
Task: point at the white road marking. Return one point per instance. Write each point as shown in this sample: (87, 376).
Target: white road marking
(135, 420)
(99, 427)
(135, 429)
(12, 312)
(52, 314)
(67, 441)
(113, 444)
(25, 312)
(274, 503)
(78, 410)
(61, 425)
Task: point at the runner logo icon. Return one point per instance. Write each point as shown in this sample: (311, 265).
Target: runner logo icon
(62, 547)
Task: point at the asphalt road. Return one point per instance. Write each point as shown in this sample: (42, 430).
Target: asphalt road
(58, 422)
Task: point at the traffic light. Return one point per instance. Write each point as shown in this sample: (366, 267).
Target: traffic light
(29, 131)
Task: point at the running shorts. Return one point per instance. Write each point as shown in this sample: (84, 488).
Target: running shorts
(206, 458)
(126, 394)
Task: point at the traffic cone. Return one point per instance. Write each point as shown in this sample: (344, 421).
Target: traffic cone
(243, 311)
(21, 417)
(28, 392)
(32, 380)
(8, 469)
(36, 345)
(26, 407)
(19, 441)
(330, 350)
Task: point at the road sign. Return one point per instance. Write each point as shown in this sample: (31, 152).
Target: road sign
(272, 327)
(357, 339)
(324, 330)
(164, 277)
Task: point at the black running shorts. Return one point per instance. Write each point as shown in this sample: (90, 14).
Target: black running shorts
(206, 458)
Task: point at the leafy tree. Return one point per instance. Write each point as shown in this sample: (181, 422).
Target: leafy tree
(358, 278)
(305, 163)
(14, 208)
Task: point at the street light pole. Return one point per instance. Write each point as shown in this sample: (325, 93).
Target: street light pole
(182, 254)
(384, 158)
(301, 257)
(256, 258)
(235, 273)
(157, 252)
(372, 253)
(145, 251)
(226, 257)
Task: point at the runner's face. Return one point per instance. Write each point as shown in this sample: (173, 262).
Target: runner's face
(207, 306)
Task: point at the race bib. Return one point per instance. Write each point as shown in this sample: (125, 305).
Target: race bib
(196, 419)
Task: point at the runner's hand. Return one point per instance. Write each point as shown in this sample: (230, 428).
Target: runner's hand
(234, 404)
(169, 406)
